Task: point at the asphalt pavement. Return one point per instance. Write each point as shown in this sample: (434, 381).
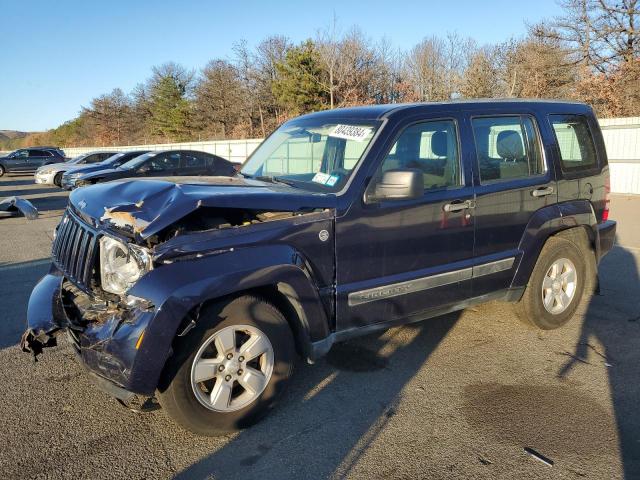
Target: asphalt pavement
(469, 395)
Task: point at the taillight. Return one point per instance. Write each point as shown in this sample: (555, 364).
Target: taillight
(607, 198)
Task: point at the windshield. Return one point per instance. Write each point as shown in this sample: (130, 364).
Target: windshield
(137, 161)
(314, 154)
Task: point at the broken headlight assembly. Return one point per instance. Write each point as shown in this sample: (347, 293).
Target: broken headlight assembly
(121, 265)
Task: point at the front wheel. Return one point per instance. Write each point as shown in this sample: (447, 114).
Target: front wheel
(556, 285)
(229, 370)
(2, 170)
(57, 180)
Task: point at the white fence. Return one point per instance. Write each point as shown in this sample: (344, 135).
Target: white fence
(621, 136)
(234, 150)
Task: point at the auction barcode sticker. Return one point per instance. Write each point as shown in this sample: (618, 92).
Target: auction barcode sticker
(351, 132)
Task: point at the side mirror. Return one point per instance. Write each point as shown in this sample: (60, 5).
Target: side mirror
(144, 169)
(400, 184)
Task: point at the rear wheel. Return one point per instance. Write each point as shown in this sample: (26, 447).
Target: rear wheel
(2, 170)
(229, 370)
(556, 286)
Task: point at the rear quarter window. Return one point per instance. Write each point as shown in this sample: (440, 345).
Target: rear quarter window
(575, 142)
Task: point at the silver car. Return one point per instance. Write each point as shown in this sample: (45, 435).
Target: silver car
(52, 174)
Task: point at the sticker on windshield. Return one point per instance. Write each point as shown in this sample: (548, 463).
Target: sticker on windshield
(332, 180)
(321, 178)
(351, 132)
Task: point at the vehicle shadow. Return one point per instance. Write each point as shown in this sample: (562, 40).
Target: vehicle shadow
(16, 183)
(27, 191)
(609, 340)
(51, 202)
(16, 282)
(333, 411)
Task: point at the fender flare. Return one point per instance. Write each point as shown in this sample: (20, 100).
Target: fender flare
(177, 288)
(547, 222)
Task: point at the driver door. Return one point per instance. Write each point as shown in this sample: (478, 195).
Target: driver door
(400, 259)
(18, 162)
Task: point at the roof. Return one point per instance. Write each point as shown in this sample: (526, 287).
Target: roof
(383, 110)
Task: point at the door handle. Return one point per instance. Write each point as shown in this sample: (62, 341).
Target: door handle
(542, 192)
(458, 206)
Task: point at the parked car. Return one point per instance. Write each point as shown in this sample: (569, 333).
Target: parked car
(27, 160)
(70, 177)
(341, 223)
(166, 163)
(52, 174)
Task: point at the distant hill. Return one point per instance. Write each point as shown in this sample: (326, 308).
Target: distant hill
(12, 139)
(12, 134)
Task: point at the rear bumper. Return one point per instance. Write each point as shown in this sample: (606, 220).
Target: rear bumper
(607, 236)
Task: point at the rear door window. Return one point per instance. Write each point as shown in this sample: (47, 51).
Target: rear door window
(577, 150)
(507, 147)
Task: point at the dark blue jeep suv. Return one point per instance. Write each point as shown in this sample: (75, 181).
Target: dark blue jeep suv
(203, 290)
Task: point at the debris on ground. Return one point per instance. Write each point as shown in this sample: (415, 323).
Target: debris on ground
(538, 456)
(16, 206)
(575, 357)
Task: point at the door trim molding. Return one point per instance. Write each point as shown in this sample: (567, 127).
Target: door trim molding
(426, 283)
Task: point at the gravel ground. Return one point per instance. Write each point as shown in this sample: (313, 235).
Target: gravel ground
(459, 396)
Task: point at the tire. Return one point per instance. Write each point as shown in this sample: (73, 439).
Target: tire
(2, 170)
(57, 180)
(531, 308)
(183, 401)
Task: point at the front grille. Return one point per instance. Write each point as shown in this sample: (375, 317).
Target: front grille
(74, 250)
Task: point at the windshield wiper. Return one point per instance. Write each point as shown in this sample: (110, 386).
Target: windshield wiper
(274, 179)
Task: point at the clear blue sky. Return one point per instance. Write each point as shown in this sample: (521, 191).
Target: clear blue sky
(58, 55)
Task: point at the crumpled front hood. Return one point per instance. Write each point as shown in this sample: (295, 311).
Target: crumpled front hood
(151, 205)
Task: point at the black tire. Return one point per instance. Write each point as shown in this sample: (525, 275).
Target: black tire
(175, 392)
(57, 180)
(530, 309)
(2, 170)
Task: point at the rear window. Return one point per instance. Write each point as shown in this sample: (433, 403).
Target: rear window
(577, 150)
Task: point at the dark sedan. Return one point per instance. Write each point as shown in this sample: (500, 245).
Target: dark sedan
(70, 177)
(167, 163)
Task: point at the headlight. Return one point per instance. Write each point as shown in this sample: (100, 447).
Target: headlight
(44, 172)
(121, 265)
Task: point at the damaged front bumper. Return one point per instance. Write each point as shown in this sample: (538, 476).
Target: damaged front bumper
(106, 339)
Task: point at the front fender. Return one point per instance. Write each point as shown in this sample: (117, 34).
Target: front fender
(547, 222)
(177, 288)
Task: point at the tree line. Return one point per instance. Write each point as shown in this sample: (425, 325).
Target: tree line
(590, 53)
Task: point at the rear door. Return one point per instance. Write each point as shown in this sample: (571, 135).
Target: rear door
(193, 163)
(513, 179)
(38, 158)
(401, 259)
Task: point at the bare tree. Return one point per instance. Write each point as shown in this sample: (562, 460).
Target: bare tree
(480, 78)
(219, 99)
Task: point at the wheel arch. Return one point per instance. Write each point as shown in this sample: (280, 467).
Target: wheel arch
(288, 287)
(574, 221)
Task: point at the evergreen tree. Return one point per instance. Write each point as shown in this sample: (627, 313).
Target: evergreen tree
(299, 84)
